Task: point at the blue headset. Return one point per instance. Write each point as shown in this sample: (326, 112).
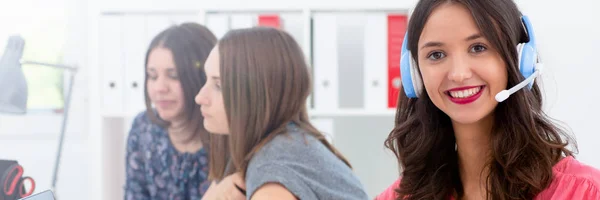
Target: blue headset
(528, 57)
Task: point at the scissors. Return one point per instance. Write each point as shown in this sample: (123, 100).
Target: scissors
(14, 182)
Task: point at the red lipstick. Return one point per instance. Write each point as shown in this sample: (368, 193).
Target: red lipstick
(465, 100)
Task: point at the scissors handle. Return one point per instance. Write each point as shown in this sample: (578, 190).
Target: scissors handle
(10, 181)
(22, 191)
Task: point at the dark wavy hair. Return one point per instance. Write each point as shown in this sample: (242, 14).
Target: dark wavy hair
(525, 143)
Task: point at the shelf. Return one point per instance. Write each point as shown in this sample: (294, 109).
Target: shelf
(47, 125)
(119, 114)
(311, 113)
(352, 113)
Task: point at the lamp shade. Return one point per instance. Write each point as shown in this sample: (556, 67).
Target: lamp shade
(13, 87)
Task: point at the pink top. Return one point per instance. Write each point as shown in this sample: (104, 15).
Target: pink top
(572, 180)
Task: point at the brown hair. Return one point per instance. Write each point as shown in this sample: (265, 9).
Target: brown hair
(525, 143)
(190, 44)
(265, 83)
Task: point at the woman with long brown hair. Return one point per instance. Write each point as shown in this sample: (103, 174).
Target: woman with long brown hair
(459, 134)
(254, 104)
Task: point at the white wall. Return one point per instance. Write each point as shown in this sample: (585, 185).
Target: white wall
(568, 39)
(32, 139)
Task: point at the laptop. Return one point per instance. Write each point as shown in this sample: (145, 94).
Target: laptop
(45, 195)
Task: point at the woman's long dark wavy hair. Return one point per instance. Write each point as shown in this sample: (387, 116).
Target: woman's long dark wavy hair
(525, 143)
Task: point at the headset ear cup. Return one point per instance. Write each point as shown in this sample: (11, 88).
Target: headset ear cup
(520, 58)
(519, 55)
(406, 74)
(416, 77)
(528, 61)
(528, 55)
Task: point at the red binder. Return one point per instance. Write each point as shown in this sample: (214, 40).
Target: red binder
(269, 20)
(397, 25)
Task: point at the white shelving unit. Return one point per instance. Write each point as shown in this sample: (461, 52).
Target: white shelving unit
(110, 124)
(353, 113)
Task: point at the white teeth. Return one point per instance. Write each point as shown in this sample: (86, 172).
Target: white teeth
(465, 93)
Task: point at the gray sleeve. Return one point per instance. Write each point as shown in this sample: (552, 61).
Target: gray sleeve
(305, 167)
(257, 176)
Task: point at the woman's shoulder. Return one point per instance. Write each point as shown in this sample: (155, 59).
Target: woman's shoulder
(573, 180)
(569, 167)
(294, 142)
(291, 136)
(142, 121)
(390, 192)
(295, 159)
(141, 118)
(144, 131)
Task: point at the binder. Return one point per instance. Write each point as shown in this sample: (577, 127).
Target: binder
(350, 50)
(375, 62)
(325, 126)
(325, 61)
(185, 18)
(111, 62)
(156, 24)
(135, 53)
(271, 20)
(396, 29)
(218, 24)
(294, 24)
(239, 21)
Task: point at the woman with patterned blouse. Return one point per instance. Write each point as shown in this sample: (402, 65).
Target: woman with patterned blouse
(166, 156)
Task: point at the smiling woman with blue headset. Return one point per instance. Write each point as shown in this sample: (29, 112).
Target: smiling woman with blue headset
(457, 133)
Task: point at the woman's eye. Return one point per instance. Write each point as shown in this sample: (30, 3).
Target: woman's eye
(173, 75)
(436, 55)
(152, 77)
(478, 48)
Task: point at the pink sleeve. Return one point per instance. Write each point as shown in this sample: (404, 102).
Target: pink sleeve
(389, 193)
(566, 188)
(573, 180)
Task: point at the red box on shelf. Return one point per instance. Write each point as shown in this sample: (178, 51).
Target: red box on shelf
(269, 20)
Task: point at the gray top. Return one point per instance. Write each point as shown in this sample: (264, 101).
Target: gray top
(306, 167)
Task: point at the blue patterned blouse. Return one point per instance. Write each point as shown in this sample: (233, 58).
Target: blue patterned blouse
(156, 170)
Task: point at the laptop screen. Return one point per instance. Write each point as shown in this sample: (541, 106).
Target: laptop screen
(45, 195)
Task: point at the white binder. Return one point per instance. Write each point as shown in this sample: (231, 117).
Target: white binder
(135, 44)
(239, 21)
(185, 18)
(325, 126)
(157, 23)
(111, 61)
(375, 62)
(218, 24)
(325, 59)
